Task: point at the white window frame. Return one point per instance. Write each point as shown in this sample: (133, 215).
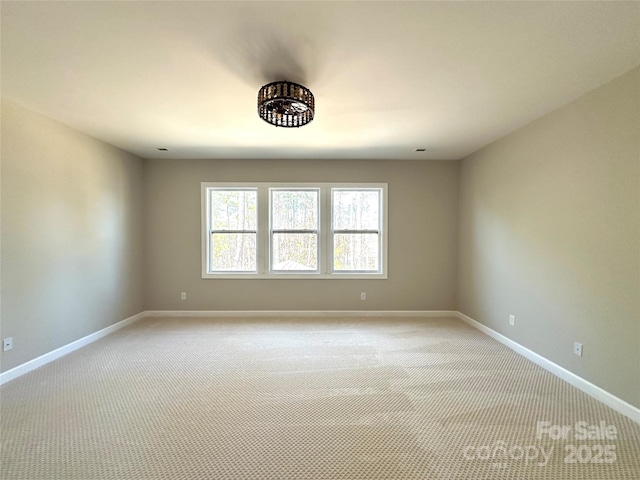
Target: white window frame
(325, 232)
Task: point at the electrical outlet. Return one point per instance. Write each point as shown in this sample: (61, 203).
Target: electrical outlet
(577, 348)
(363, 296)
(183, 296)
(512, 320)
(7, 344)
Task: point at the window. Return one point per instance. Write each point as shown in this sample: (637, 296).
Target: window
(233, 233)
(262, 230)
(356, 229)
(294, 229)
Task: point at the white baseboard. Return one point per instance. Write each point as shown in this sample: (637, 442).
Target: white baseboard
(300, 313)
(62, 351)
(587, 387)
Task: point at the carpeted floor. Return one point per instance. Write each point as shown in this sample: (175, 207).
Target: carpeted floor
(390, 398)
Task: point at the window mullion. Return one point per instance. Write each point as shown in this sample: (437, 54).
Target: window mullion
(384, 228)
(263, 230)
(326, 242)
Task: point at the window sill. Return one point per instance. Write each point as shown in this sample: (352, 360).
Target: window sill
(294, 276)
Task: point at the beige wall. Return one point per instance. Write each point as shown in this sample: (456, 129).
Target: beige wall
(71, 234)
(550, 232)
(422, 240)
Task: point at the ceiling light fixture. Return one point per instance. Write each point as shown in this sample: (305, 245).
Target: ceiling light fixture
(286, 104)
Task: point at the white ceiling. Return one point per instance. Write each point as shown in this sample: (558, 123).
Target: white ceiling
(388, 77)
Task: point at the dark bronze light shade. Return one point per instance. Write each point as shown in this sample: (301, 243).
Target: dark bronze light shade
(286, 104)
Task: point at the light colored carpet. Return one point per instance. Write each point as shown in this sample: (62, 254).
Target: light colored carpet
(390, 398)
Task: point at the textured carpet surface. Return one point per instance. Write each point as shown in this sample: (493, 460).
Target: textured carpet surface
(385, 398)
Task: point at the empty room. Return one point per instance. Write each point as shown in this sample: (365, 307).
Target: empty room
(320, 240)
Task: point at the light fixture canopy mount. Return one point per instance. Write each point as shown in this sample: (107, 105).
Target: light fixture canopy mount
(286, 104)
